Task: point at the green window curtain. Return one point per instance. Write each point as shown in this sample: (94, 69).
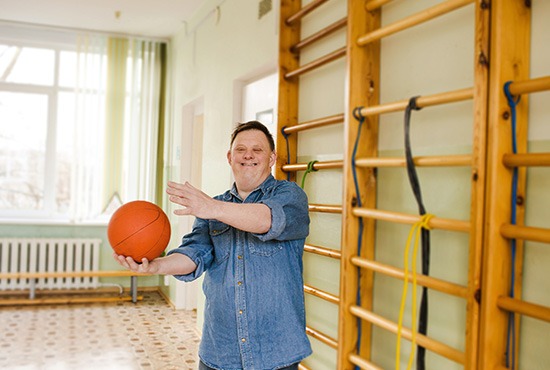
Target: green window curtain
(117, 57)
(136, 96)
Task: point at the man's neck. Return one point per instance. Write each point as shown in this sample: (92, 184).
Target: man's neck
(244, 191)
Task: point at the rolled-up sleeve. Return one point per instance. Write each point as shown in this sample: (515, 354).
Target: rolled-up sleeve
(196, 245)
(289, 213)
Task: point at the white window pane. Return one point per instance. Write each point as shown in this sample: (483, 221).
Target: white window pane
(31, 66)
(65, 150)
(67, 69)
(23, 127)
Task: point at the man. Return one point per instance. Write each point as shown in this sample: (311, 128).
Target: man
(250, 242)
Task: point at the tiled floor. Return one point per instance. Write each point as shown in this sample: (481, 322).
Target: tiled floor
(149, 335)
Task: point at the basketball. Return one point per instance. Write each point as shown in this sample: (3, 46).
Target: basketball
(139, 229)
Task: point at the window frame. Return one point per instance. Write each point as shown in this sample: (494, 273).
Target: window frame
(48, 212)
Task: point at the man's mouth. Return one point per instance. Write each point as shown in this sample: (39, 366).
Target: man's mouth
(249, 164)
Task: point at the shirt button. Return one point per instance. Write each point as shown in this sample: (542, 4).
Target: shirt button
(240, 312)
(239, 283)
(243, 340)
(240, 257)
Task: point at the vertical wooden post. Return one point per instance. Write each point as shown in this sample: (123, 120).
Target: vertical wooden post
(510, 47)
(289, 35)
(478, 179)
(363, 81)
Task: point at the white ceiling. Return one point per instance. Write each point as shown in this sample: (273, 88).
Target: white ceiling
(152, 18)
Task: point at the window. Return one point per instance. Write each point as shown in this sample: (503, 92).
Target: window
(37, 130)
(79, 125)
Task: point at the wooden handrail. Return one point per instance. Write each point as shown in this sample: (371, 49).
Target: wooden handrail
(67, 300)
(535, 234)
(525, 308)
(530, 86)
(322, 251)
(422, 340)
(435, 222)
(431, 161)
(424, 280)
(321, 294)
(319, 35)
(320, 122)
(413, 20)
(303, 367)
(304, 11)
(325, 208)
(421, 102)
(362, 363)
(526, 160)
(65, 274)
(322, 337)
(316, 166)
(317, 63)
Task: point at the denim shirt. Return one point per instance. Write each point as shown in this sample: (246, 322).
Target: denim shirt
(254, 315)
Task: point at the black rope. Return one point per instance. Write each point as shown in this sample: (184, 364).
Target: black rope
(425, 233)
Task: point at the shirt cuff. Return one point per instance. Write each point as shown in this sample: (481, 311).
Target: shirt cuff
(195, 257)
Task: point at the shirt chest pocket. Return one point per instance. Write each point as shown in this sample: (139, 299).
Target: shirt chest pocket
(265, 249)
(221, 239)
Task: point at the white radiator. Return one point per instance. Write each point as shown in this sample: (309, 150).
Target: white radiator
(18, 255)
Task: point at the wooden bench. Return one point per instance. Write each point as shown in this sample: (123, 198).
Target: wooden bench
(40, 275)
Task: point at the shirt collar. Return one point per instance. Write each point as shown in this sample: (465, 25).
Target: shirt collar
(263, 187)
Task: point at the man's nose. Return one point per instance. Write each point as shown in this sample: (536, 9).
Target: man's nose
(249, 154)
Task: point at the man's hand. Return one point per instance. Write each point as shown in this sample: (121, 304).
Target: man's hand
(174, 264)
(145, 267)
(196, 202)
(251, 217)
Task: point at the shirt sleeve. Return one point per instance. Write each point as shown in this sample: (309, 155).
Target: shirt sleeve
(289, 213)
(197, 245)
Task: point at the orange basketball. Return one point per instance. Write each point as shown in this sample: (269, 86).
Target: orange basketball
(139, 229)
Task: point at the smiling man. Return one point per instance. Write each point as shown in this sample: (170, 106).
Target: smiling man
(250, 242)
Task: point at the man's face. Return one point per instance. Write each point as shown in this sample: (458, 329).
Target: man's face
(251, 159)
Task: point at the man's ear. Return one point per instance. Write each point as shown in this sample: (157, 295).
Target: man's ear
(272, 158)
(229, 157)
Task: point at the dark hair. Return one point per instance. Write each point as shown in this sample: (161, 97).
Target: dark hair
(253, 125)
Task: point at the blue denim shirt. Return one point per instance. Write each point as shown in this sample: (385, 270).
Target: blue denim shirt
(254, 315)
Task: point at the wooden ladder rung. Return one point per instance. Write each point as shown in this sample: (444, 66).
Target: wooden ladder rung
(304, 11)
(422, 102)
(362, 363)
(434, 223)
(326, 165)
(423, 280)
(535, 234)
(323, 251)
(427, 161)
(319, 122)
(320, 35)
(331, 342)
(422, 340)
(413, 20)
(530, 86)
(525, 308)
(321, 294)
(337, 54)
(526, 160)
(325, 208)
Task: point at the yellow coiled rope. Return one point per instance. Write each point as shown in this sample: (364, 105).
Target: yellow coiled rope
(423, 223)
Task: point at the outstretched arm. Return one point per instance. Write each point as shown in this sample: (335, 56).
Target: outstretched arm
(174, 264)
(250, 217)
